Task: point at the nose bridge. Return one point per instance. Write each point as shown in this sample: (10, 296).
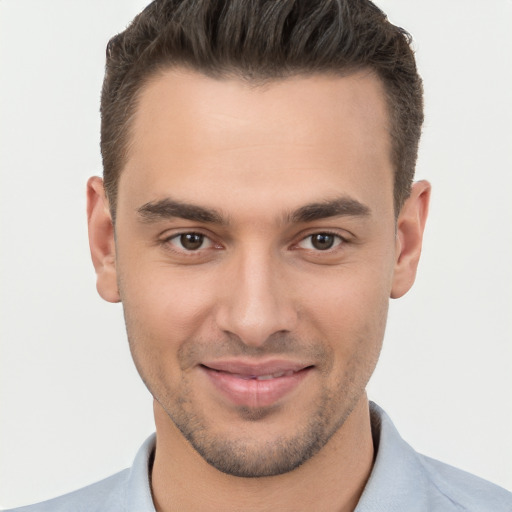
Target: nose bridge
(258, 303)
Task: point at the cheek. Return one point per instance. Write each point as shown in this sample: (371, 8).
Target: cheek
(162, 308)
(161, 316)
(349, 310)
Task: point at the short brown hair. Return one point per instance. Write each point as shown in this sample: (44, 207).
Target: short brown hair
(261, 40)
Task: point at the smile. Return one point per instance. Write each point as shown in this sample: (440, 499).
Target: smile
(276, 375)
(255, 385)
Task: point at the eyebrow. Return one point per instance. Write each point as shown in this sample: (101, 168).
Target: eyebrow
(339, 207)
(169, 208)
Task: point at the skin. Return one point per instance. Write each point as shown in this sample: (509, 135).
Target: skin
(257, 288)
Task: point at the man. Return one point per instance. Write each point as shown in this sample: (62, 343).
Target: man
(257, 212)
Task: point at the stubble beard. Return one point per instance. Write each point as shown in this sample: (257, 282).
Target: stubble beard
(250, 457)
(247, 456)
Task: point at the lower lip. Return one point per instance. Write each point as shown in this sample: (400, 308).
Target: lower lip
(252, 392)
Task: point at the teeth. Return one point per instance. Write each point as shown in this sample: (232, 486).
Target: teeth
(262, 377)
(274, 375)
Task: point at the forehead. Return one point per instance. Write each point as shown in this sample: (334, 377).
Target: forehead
(310, 133)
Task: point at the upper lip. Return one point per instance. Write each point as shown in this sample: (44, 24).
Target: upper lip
(250, 368)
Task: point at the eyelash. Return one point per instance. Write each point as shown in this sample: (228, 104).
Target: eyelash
(168, 242)
(189, 252)
(340, 241)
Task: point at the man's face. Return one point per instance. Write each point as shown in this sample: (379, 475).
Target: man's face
(255, 252)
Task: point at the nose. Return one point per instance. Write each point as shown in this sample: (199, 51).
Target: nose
(257, 300)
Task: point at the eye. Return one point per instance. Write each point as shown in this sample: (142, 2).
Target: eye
(191, 241)
(320, 241)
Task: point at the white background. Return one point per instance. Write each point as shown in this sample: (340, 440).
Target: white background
(73, 409)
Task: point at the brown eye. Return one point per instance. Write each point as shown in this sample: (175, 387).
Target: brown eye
(190, 241)
(320, 241)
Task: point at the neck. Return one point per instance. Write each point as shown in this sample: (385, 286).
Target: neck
(333, 479)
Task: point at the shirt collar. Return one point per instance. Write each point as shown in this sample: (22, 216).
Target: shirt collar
(138, 485)
(397, 481)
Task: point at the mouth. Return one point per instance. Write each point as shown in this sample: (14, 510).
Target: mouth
(269, 376)
(255, 385)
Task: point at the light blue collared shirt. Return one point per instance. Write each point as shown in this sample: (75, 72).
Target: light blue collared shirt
(401, 481)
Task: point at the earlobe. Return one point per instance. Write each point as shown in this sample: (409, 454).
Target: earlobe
(410, 228)
(101, 240)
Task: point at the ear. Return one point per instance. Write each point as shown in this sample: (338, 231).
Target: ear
(410, 227)
(101, 240)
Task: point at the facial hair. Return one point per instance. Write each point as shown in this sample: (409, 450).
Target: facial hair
(245, 455)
